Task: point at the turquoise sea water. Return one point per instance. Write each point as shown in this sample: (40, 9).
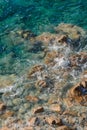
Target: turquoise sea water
(41, 15)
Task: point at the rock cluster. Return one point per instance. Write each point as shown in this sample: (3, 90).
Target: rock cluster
(52, 94)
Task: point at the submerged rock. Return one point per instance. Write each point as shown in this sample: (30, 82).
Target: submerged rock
(7, 114)
(41, 83)
(48, 89)
(78, 93)
(35, 69)
(34, 121)
(7, 81)
(26, 34)
(75, 33)
(5, 128)
(38, 110)
(55, 108)
(31, 98)
(64, 128)
(2, 106)
(53, 120)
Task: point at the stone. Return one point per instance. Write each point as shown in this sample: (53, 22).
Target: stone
(45, 38)
(85, 74)
(52, 120)
(25, 34)
(41, 83)
(49, 58)
(17, 101)
(31, 98)
(35, 69)
(5, 128)
(67, 102)
(7, 81)
(19, 32)
(70, 112)
(38, 110)
(28, 128)
(55, 108)
(34, 121)
(2, 106)
(7, 114)
(78, 93)
(22, 110)
(49, 38)
(64, 128)
(74, 32)
(62, 38)
(27, 106)
(78, 59)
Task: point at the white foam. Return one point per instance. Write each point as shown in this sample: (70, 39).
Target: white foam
(61, 62)
(55, 47)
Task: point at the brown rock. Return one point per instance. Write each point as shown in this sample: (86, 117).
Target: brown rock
(70, 112)
(68, 102)
(45, 38)
(7, 81)
(7, 114)
(33, 121)
(31, 98)
(50, 57)
(77, 94)
(62, 38)
(52, 120)
(28, 128)
(41, 83)
(2, 106)
(5, 128)
(38, 110)
(74, 32)
(25, 34)
(49, 38)
(55, 108)
(77, 59)
(35, 69)
(85, 74)
(64, 128)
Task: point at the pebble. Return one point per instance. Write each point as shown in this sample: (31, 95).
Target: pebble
(7, 114)
(17, 101)
(38, 110)
(64, 128)
(52, 120)
(31, 98)
(28, 128)
(22, 110)
(2, 106)
(5, 128)
(55, 108)
(34, 121)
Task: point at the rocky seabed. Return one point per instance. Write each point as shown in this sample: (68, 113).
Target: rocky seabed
(50, 93)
